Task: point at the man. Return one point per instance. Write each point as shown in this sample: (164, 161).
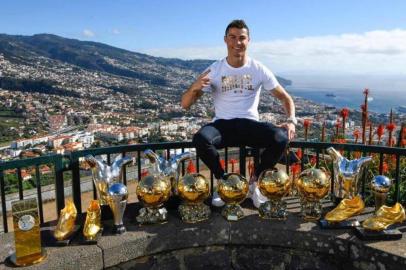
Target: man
(235, 83)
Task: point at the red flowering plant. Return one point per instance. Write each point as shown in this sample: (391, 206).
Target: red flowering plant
(344, 114)
(380, 131)
(356, 134)
(390, 127)
(306, 125)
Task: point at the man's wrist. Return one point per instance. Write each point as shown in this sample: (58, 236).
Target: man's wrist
(292, 120)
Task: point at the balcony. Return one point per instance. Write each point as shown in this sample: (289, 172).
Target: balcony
(215, 242)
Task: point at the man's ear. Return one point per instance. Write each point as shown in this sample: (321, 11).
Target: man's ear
(225, 39)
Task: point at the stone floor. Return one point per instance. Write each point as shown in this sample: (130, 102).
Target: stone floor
(250, 243)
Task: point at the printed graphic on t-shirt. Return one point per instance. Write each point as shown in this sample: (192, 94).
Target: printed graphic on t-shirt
(236, 83)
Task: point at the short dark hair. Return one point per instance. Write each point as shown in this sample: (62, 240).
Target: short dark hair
(240, 24)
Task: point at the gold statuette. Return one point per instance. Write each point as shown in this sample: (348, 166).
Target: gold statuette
(93, 221)
(385, 216)
(66, 221)
(346, 209)
(27, 234)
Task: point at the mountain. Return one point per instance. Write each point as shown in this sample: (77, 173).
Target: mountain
(49, 63)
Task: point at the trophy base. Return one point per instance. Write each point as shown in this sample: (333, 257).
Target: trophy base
(152, 215)
(27, 260)
(106, 213)
(345, 224)
(50, 240)
(273, 210)
(119, 229)
(311, 210)
(82, 240)
(232, 212)
(193, 213)
(388, 234)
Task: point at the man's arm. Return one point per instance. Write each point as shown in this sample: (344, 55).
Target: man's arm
(195, 90)
(280, 93)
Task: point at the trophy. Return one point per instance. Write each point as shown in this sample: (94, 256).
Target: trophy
(104, 176)
(347, 174)
(193, 189)
(380, 186)
(233, 189)
(313, 185)
(117, 199)
(27, 235)
(155, 189)
(92, 225)
(377, 226)
(274, 184)
(66, 223)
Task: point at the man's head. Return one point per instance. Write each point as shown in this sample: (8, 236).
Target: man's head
(237, 38)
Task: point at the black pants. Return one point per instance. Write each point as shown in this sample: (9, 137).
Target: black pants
(237, 132)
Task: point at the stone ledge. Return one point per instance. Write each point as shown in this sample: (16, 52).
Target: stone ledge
(162, 243)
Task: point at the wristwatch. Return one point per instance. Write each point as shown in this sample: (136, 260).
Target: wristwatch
(292, 120)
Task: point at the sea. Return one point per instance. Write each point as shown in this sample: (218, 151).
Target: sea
(382, 97)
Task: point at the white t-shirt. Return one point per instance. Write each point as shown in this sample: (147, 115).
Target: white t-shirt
(236, 91)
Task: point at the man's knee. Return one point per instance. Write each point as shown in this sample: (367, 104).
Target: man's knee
(281, 137)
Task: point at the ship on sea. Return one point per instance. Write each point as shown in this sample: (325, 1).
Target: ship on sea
(330, 95)
(401, 109)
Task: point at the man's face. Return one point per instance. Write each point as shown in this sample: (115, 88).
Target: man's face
(237, 41)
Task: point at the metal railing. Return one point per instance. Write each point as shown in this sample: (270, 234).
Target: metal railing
(63, 163)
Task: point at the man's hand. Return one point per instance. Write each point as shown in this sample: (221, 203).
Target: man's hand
(290, 127)
(195, 90)
(202, 81)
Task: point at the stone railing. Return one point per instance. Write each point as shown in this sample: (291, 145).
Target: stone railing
(251, 243)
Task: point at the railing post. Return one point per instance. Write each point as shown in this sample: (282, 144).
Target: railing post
(243, 154)
(59, 186)
(3, 202)
(397, 178)
(76, 194)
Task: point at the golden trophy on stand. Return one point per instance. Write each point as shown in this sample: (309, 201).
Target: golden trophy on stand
(274, 184)
(313, 185)
(380, 186)
(194, 189)
(347, 185)
(233, 189)
(27, 235)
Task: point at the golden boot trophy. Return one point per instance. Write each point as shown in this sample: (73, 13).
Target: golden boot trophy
(66, 222)
(313, 185)
(274, 184)
(92, 225)
(233, 189)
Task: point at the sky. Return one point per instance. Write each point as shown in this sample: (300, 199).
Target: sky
(297, 38)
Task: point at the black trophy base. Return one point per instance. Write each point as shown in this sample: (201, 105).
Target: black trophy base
(345, 224)
(388, 234)
(106, 213)
(82, 240)
(118, 229)
(50, 240)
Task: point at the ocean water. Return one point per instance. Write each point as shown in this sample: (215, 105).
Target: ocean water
(380, 101)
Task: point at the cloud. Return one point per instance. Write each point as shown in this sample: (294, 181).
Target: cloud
(374, 52)
(88, 33)
(115, 31)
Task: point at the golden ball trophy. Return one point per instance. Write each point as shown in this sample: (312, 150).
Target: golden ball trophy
(193, 189)
(233, 189)
(313, 185)
(274, 184)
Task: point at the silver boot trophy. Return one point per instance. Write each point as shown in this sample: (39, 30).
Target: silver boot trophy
(117, 199)
(380, 186)
(347, 174)
(105, 175)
